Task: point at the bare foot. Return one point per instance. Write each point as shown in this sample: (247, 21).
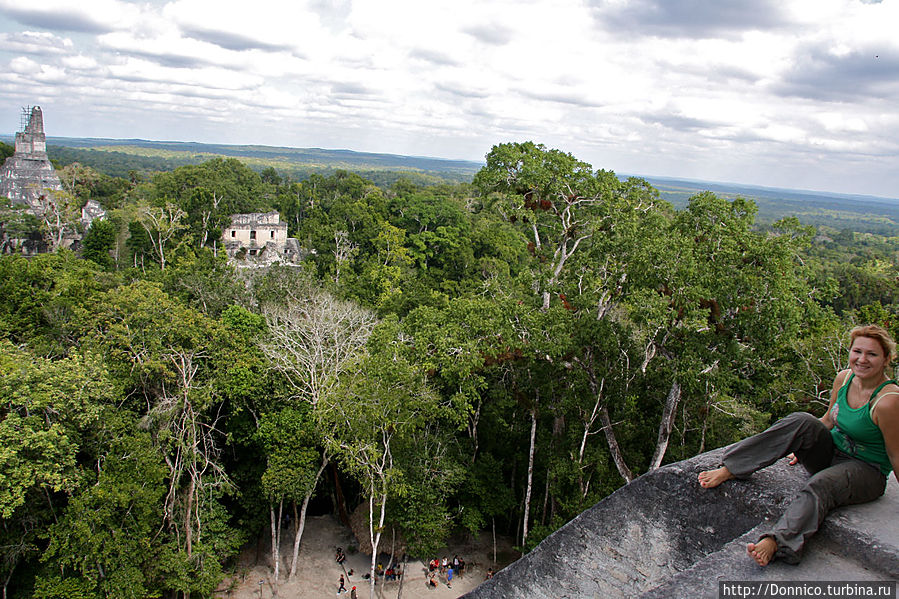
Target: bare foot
(712, 478)
(763, 551)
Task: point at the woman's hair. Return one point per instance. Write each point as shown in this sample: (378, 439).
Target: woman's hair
(880, 335)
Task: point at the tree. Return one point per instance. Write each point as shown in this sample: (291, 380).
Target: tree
(6, 151)
(138, 244)
(98, 240)
(204, 216)
(380, 404)
(236, 187)
(60, 211)
(105, 537)
(47, 299)
(188, 440)
(313, 339)
(204, 280)
(161, 225)
(50, 411)
(16, 225)
(294, 467)
(160, 352)
(552, 194)
(79, 181)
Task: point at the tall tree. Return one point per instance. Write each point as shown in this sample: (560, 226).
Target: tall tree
(380, 403)
(162, 224)
(552, 194)
(98, 240)
(312, 339)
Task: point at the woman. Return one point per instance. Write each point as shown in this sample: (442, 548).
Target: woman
(849, 451)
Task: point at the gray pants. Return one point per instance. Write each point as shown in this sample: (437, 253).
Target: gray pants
(837, 479)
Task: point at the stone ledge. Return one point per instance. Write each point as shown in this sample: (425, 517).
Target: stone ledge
(663, 535)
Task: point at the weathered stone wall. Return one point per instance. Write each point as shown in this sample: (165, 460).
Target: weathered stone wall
(256, 231)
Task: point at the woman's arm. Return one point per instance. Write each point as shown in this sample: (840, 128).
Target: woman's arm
(886, 417)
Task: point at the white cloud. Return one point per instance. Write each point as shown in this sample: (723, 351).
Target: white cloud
(80, 62)
(837, 122)
(35, 42)
(63, 15)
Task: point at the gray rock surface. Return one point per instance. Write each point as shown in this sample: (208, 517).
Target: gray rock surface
(665, 536)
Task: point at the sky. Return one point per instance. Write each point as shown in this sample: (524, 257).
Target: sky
(801, 94)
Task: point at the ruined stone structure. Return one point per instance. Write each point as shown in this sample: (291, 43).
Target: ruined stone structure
(28, 181)
(27, 177)
(260, 237)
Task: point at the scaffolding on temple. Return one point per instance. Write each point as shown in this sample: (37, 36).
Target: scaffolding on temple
(25, 118)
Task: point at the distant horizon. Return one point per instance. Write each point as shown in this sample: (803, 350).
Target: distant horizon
(649, 177)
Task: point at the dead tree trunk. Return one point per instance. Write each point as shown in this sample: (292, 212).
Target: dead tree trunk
(614, 448)
(530, 484)
(276, 537)
(301, 523)
(666, 425)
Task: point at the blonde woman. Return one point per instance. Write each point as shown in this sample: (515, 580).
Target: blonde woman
(849, 452)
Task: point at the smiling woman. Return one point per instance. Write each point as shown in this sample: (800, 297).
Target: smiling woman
(849, 451)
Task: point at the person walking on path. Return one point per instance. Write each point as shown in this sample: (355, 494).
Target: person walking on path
(849, 451)
(449, 577)
(342, 588)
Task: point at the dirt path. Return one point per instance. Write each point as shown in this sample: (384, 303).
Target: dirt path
(318, 574)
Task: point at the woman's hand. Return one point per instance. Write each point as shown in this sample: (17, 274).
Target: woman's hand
(793, 459)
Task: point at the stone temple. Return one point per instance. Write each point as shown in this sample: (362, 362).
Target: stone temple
(29, 182)
(27, 177)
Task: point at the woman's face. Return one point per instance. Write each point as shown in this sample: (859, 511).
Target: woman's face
(866, 358)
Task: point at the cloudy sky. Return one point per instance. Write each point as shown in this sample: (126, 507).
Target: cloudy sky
(788, 93)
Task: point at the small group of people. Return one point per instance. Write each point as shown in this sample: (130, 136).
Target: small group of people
(432, 581)
(448, 569)
(849, 451)
(393, 572)
(457, 564)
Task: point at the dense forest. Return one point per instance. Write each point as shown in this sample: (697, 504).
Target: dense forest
(494, 354)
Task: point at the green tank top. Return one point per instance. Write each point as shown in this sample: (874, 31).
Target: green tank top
(854, 432)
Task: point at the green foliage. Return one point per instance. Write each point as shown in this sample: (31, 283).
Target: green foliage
(46, 299)
(204, 280)
(140, 329)
(6, 150)
(52, 412)
(428, 328)
(289, 440)
(484, 495)
(61, 587)
(226, 184)
(98, 240)
(139, 244)
(105, 538)
(16, 225)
